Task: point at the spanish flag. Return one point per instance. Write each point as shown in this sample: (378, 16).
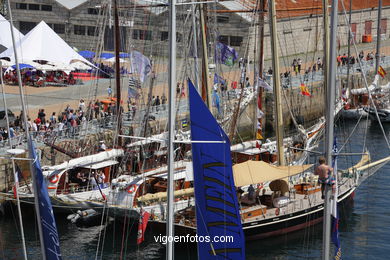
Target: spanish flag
(304, 90)
(381, 71)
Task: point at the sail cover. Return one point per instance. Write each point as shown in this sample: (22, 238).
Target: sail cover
(217, 210)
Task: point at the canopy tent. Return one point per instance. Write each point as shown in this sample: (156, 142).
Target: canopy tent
(42, 43)
(124, 55)
(112, 60)
(106, 55)
(5, 33)
(87, 54)
(251, 172)
(23, 66)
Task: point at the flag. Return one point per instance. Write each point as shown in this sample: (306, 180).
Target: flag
(216, 101)
(263, 84)
(51, 242)
(218, 79)
(17, 176)
(381, 72)
(140, 64)
(225, 54)
(142, 224)
(304, 90)
(334, 211)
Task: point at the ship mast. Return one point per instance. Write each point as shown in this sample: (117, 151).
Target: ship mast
(378, 40)
(171, 125)
(276, 83)
(206, 94)
(329, 134)
(28, 137)
(261, 66)
(117, 70)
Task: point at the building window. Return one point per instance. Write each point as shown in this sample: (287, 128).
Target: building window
(34, 7)
(235, 40)
(222, 19)
(25, 27)
(21, 6)
(93, 11)
(79, 29)
(59, 28)
(164, 36)
(142, 35)
(91, 31)
(224, 39)
(47, 8)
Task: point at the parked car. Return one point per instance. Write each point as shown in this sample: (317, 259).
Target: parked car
(3, 119)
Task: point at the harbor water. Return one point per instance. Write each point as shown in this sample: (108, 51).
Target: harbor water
(364, 226)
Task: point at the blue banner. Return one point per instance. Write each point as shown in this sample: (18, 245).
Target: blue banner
(51, 242)
(217, 209)
(225, 54)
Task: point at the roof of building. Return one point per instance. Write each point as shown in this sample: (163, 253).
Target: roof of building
(70, 4)
(295, 8)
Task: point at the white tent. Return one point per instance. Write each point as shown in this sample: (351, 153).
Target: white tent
(42, 43)
(5, 33)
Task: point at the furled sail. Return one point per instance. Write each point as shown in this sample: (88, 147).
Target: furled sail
(217, 210)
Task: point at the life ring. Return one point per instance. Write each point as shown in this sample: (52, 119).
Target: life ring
(131, 189)
(277, 211)
(54, 179)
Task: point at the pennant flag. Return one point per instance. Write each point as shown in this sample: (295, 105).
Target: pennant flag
(304, 90)
(140, 64)
(218, 79)
(263, 84)
(217, 208)
(334, 211)
(48, 224)
(142, 224)
(225, 54)
(381, 72)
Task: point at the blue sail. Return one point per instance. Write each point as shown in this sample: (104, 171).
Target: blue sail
(51, 242)
(217, 209)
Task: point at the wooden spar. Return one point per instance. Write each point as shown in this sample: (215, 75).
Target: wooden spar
(117, 70)
(259, 132)
(276, 81)
(205, 63)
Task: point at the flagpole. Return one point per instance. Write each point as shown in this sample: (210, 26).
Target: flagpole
(16, 182)
(329, 137)
(171, 127)
(28, 137)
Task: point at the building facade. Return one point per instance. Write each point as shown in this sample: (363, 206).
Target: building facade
(145, 27)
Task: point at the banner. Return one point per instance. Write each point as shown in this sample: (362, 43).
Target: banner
(217, 209)
(47, 220)
(140, 64)
(225, 54)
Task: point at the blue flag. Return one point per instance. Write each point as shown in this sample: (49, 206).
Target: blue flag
(334, 210)
(225, 54)
(51, 242)
(218, 79)
(217, 209)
